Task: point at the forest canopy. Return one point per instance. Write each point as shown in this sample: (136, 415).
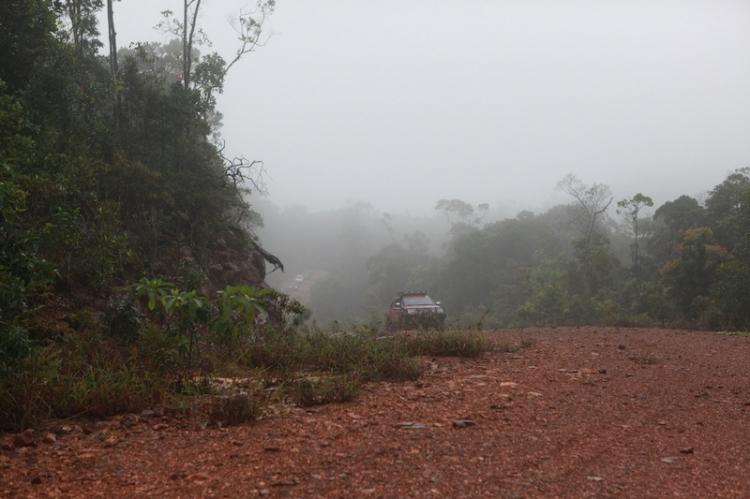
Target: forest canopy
(111, 168)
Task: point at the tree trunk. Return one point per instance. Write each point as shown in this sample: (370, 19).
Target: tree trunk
(187, 39)
(113, 59)
(112, 39)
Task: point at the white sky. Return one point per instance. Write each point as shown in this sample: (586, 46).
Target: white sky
(400, 103)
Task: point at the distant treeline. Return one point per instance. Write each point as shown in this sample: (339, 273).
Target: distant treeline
(595, 260)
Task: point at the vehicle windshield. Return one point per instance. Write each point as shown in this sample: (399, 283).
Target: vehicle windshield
(417, 300)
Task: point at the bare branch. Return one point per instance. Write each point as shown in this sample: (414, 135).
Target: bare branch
(241, 170)
(249, 27)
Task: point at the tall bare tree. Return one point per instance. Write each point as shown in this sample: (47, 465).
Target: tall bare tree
(590, 204)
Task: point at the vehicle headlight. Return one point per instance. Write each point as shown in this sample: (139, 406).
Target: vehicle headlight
(440, 310)
(412, 311)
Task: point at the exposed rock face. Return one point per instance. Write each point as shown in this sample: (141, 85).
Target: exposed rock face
(229, 266)
(225, 265)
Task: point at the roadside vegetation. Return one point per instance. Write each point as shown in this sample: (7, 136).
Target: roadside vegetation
(211, 361)
(116, 203)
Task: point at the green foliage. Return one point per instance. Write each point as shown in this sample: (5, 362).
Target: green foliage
(637, 304)
(123, 319)
(630, 209)
(83, 374)
(187, 305)
(724, 208)
(282, 312)
(243, 301)
(238, 307)
(482, 265)
(154, 291)
(681, 214)
(730, 294)
(15, 344)
(191, 274)
(395, 267)
(25, 276)
(547, 302)
(28, 30)
(689, 277)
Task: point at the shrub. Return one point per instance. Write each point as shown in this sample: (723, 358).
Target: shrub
(308, 391)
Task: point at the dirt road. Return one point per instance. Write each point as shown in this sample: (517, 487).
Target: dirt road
(590, 412)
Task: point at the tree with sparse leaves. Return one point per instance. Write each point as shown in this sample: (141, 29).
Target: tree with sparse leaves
(592, 247)
(630, 210)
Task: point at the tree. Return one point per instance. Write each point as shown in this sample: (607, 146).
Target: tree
(670, 221)
(462, 216)
(457, 211)
(689, 277)
(83, 27)
(591, 203)
(730, 293)
(25, 276)
(248, 26)
(112, 38)
(482, 266)
(342, 293)
(630, 209)
(27, 31)
(394, 266)
(589, 206)
(546, 299)
(681, 214)
(724, 208)
(113, 63)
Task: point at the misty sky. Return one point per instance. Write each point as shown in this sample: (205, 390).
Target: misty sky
(400, 103)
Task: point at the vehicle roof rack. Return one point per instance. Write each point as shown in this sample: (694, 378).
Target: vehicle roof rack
(402, 293)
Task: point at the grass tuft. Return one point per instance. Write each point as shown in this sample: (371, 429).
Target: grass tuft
(448, 343)
(238, 408)
(308, 392)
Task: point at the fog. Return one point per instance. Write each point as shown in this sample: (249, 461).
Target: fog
(365, 114)
(399, 104)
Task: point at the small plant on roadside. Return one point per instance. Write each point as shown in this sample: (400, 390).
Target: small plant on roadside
(105, 390)
(123, 319)
(191, 273)
(733, 333)
(649, 359)
(527, 343)
(307, 392)
(238, 307)
(238, 408)
(390, 360)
